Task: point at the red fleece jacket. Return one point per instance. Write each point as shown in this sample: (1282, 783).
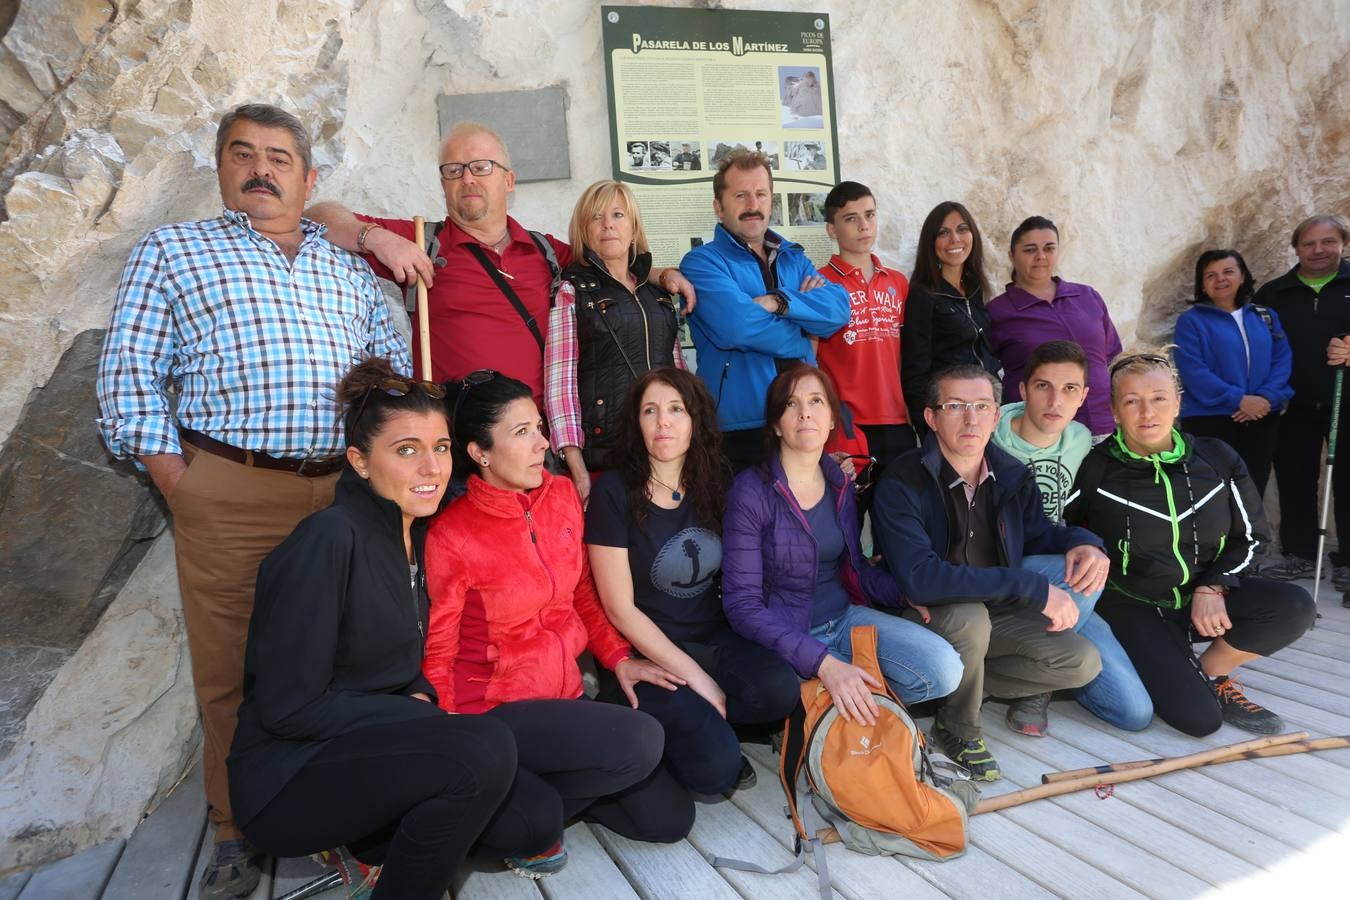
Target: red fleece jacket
(512, 600)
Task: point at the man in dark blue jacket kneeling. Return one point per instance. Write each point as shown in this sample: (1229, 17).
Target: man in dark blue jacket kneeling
(953, 520)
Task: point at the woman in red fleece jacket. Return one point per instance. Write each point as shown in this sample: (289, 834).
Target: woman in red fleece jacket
(512, 606)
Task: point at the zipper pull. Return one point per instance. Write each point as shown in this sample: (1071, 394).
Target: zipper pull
(529, 522)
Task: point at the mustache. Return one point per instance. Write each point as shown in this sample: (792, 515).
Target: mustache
(749, 215)
(263, 183)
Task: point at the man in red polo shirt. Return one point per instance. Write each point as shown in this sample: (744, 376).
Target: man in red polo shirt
(483, 253)
(863, 357)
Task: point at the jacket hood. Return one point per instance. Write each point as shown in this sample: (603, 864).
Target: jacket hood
(1075, 440)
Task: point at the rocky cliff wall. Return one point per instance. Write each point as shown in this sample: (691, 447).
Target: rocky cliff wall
(1149, 129)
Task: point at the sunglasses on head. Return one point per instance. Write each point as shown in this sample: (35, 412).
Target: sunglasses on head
(400, 387)
(1138, 357)
(476, 377)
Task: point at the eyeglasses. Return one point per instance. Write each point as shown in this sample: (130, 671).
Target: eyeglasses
(954, 408)
(398, 387)
(1129, 358)
(478, 376)
(479, 168)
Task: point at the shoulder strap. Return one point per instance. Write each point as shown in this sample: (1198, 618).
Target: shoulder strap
(433, 249)
(863, 641)
(495, 274)
(554, 270)
(1264, 313)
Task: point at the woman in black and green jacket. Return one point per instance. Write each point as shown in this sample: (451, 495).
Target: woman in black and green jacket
(1182, 523)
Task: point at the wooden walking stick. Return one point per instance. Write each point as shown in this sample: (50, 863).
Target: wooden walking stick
(1017, 798)
(1283, 749)
(423, 329)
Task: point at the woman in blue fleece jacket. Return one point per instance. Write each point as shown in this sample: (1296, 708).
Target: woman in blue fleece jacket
(1234, 362)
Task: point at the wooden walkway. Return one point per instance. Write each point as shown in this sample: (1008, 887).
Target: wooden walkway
(1259, 828)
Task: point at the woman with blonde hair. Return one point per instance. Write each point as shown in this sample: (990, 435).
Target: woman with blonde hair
(607, 327)
(1181, 520)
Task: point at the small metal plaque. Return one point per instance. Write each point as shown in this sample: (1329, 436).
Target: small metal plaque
(533, 124)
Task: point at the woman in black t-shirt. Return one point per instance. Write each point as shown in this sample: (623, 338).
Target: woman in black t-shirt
(653, 535)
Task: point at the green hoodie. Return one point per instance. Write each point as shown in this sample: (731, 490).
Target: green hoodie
(1055, 466)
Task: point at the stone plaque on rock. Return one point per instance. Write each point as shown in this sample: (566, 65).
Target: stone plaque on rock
(533, 124)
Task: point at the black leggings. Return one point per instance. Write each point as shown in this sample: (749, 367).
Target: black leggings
(579, 757)
(1266, 615)
(413, 795)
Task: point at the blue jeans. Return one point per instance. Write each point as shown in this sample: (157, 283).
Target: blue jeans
(1116, 695)
(918, 664)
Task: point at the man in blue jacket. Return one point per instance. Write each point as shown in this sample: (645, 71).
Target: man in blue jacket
(760, 303)
(954, 520)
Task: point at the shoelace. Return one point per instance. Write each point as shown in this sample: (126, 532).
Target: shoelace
(1231, 691)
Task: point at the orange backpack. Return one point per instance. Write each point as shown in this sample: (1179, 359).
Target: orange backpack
(873, 786)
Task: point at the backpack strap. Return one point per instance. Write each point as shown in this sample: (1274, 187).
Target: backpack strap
(433, 249)
(554, 270)
(863, 643)
(1264, 313)
(792, 757)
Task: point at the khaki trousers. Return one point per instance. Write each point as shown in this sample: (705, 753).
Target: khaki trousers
(1006, 654)
(226, 518)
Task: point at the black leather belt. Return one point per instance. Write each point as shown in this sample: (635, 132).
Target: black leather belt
(308, 468)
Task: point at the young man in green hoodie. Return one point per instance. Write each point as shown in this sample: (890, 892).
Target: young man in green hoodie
(1041, 432)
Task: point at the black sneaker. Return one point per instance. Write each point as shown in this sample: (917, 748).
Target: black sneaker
(1242, 713)
(1288, 568)
(1340, 578)
(1030, 715)
(234, 871)
(747, 777)
(974, 754)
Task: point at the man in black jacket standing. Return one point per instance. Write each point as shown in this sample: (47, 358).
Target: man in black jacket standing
(1313, 301)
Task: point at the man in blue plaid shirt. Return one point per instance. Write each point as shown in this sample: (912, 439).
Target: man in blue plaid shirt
(252, 317)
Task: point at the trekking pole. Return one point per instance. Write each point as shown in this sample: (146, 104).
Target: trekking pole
(1176, 763)
(423, 328)
(1288, 748)
(1326, 491)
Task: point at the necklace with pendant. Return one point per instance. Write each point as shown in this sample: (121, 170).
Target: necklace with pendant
(674, 492)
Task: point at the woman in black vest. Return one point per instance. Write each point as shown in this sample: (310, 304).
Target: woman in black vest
(607, 327)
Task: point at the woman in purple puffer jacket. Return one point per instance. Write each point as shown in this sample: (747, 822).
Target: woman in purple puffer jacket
(793, 574)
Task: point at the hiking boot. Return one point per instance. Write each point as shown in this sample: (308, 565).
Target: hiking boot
(1030, 715)
(550, 862)
(234, 871)
(1340, 578)
(1289, 568)
(974, 754)
(1242, 713)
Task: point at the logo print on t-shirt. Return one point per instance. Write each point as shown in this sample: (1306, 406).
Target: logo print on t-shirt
(1055, 481)
(687, 563)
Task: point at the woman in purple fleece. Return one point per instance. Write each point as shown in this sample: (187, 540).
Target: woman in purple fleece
(1039, 306)
(793, 574)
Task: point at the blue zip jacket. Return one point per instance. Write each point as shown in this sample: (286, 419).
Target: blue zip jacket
(737, 340)
(1213, 364)
(911, 528)
(769, 562)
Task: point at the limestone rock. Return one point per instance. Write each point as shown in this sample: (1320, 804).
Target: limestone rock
(112, 734)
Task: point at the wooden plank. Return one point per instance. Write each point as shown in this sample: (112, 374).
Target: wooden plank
(1311, 662)
(724, 829)
(82, 875)
(488, 880)
(1311, 642)
(1332, 702)
(11, 885)
(1183, 861)
(1297, 713)
(159, 855)
(590, 873)
(1232, 826)
(663, 871)
(1281, 808)
(975, 875)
